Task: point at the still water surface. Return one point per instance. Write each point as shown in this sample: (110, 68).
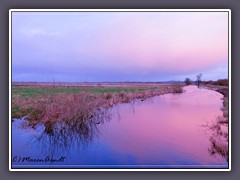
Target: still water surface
(166, 131)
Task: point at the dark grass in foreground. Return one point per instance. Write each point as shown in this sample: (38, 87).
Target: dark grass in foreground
(72, 104)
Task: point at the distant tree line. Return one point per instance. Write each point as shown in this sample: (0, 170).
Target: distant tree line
(220, 82)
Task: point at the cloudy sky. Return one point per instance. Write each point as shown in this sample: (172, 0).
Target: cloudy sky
(119, 46)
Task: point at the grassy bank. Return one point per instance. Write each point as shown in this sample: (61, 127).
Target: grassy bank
(71, 104)
(224, 91)
(219, 139)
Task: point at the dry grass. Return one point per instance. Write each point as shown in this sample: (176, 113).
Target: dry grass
(219, 138)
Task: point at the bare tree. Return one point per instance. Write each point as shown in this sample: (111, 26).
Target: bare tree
(199, 76)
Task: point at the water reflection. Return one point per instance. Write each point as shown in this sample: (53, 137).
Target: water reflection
(58, 139)
(163, 132)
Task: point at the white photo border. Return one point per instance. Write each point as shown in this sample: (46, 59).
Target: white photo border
(117, 10)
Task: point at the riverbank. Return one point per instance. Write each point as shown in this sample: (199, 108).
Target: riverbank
(225, 92)
(70, 104)
(164, 131)
(219, 139)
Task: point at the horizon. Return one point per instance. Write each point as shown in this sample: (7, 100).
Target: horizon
(119, 46)
(167, 81)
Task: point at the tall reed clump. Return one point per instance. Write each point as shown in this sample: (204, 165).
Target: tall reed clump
(219, 138)
(219, 147)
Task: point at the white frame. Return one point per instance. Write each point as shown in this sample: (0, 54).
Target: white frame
(116, 10)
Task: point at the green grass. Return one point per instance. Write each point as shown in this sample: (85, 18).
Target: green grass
(25, 92)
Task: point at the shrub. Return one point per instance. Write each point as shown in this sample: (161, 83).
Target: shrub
(221, 82)
(188, 81)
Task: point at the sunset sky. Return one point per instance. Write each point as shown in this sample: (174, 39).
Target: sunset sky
(119, 46)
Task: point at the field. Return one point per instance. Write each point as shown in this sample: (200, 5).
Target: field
(70, 102)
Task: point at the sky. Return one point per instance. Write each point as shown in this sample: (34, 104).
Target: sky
(119, 46)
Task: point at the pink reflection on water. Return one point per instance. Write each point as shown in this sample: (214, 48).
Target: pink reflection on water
(166, 130)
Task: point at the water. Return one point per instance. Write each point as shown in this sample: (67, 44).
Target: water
(167, 131)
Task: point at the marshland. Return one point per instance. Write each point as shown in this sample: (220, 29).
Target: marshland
(50, 103)
(75, 119)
